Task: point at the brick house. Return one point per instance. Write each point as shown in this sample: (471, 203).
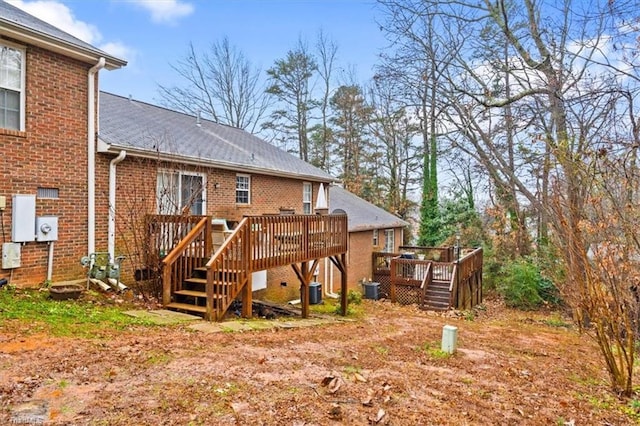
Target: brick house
(48, 92)
(165, 162)
(93, 177)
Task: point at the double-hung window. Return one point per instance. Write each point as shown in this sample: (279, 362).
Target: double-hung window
(389, 240)
(180, 193)
(307, 195)
(243, 189)
(11, 87)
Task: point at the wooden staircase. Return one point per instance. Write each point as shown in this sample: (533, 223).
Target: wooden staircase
(192, 297)
(437, 296)
(200, 279)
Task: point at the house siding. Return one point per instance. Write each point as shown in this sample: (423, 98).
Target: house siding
(50, 153)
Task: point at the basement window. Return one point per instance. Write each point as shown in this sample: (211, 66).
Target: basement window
(52, 193)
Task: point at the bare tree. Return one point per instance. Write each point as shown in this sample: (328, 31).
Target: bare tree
(220, 84)
(533, 90)
(322, 134)
(399, 156)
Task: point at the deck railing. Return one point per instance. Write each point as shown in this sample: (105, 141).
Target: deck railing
(269, 241)
(400, 275)
(184, 243)
(466, 284)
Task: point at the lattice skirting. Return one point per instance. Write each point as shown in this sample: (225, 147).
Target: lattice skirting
(385, 286)
(407, 295)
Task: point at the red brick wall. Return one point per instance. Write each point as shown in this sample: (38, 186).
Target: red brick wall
(52, 153)
(136, 196)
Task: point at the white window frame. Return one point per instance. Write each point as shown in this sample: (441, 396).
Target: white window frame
(376, 238)
(241, 190)
(175, 203)
(21, 90)
(307, 198)
(389, 240)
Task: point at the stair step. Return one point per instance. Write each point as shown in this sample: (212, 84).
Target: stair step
(187, 307)
(203, 281)
(192, 293)
(195, 293)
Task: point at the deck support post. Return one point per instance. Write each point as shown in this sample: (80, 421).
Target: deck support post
(247, 298)
(344, 303)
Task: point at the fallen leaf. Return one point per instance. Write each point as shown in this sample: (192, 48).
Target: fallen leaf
(379, 416)
(335, 385)
(368, 401)
(359, 378)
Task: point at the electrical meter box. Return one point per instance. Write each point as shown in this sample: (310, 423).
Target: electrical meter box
(10, 255)
(22, 218)
(47, 228)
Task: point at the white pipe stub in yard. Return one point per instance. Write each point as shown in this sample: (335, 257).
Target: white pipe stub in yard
(449, 339)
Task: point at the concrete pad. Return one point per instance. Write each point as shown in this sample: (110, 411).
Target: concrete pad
(163, 316)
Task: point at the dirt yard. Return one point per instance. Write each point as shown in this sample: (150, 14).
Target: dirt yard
(511, 368)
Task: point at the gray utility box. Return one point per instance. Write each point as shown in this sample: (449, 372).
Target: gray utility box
(315, 293)
(371, 290)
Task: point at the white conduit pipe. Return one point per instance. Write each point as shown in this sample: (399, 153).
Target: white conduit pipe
(50, 262)
(91, 156)
(111, 230)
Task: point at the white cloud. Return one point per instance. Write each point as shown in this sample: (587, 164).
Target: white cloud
(166, 11)
(119, 50)
(60, 16)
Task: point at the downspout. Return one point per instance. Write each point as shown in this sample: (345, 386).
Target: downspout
(111, 231)
(91, 156)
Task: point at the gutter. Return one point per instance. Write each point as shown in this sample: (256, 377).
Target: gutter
(91, 155)
(105, 147)
(111, 232)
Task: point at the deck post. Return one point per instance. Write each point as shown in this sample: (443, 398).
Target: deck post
(344, 303)
(247, 298)
(304, 290)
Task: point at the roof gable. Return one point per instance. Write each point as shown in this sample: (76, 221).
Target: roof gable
(362, 215)
(21, 26)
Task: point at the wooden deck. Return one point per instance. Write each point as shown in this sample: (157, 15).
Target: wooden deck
(209, 279)
(433, 284)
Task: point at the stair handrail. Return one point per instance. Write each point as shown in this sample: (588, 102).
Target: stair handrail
(235, 277)
(426, 281)
(171, 275)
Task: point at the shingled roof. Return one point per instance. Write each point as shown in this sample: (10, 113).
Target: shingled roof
(361, 214)
(151, 131)
(23, 27)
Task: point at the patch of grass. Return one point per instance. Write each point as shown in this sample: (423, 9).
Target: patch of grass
(352, 369)
(433, 350)
(586, 381)
(632, 409)
(468, 315)
(381, 350)
(226, 389)
(158, 358)
(605, 403)
(557, 322)
(71, 318)
(333, 306)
